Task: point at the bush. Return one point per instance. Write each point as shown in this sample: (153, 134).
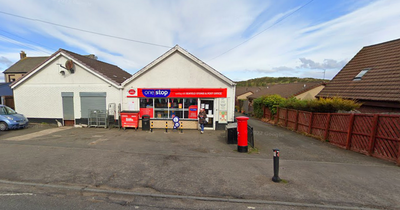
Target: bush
(270, 101)
(324, 105)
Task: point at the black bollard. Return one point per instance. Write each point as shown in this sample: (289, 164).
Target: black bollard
(151, 128)
(276, 166)
(166, 127)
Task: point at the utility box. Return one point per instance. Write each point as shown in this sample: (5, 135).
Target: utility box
(231, 133)
(129, 119)
(146, 122)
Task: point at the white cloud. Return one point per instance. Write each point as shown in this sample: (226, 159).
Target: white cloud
(326, 64)
(207, 29)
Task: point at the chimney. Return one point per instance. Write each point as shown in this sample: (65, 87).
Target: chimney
(22, 55)
(92, 56)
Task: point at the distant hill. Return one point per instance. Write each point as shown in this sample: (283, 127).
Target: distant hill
(264, 81)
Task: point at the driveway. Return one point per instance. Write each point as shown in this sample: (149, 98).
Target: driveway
(315, 174)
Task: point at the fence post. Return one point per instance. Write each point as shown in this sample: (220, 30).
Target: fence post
(327, 127)
(373, 134)
(311, 121)
(277, 116)
(398, 155)
(287, 117)
(350, 131)
(296, 121)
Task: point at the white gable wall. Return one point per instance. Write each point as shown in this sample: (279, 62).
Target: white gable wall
(178, 71)
(40, 95)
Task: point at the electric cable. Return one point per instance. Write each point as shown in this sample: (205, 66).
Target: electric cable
(86, 31)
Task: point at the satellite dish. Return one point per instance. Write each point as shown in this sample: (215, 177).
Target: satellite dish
(69, 64)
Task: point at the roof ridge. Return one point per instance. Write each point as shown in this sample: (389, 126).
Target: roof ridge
(88, 57)
(382, 43)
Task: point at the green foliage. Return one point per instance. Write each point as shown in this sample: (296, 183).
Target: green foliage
(324, 105)
(265, 81)
(270, 101)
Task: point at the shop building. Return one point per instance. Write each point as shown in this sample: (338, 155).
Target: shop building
(67, 86)
(179, 84)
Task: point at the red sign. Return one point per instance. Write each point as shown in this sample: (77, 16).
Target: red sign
(181, 93)
(132, 91)
(146, 111)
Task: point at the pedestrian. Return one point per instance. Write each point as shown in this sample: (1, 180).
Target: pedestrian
(202, 119)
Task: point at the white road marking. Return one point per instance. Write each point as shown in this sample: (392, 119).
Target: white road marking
(37, 134)
(97, 141)
(15, 194)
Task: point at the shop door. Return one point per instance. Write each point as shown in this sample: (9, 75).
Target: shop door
(208, 105)
(68, 109)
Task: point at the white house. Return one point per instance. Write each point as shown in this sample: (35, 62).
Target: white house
(57, 89)
(179, 84)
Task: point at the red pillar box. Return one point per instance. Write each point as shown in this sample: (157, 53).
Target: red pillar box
(242, 133)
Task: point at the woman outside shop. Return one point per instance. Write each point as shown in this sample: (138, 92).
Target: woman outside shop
(202, 119)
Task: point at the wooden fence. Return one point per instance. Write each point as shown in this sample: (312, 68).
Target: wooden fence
(376, 135)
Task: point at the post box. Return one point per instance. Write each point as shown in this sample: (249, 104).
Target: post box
(242, 133)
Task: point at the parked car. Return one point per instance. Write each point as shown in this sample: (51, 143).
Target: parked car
(10, 119)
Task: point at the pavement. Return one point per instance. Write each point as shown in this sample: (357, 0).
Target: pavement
(138, 169)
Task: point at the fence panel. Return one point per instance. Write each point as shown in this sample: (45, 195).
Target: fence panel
(377, 135)
(338, 128)
(303, 121)
(319, 122)
(282, 117)
(387, 137)
(292, 118)
(267, 113)
(360, 135)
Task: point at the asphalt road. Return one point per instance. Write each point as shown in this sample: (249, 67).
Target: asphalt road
(130, 166)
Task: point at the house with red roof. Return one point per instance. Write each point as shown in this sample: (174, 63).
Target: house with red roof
(372, 77)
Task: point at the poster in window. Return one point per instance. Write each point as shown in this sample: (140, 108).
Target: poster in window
(223, 104)
(222, 117)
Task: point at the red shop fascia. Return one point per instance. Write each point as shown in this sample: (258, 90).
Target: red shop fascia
(191, 93)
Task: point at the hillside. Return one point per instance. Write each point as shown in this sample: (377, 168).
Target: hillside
(264, 81)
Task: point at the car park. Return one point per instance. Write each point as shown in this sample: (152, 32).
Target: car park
(10, 119)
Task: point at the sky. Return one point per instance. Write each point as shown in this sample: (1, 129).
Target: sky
(242, 39)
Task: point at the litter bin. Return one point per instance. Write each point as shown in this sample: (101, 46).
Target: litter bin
(146, 122)
(129, 119)
(231, 133)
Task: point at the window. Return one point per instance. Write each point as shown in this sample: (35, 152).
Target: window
(167, 108)
(146, 103)
(361, 74)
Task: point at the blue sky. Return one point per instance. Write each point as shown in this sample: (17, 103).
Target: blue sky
(243, 39)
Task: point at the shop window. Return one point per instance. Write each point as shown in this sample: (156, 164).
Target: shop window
(175, 107)
(161, 108)
(146, 103)
(167, 108)
(146, 107)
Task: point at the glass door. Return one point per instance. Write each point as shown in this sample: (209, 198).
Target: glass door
(208, 106)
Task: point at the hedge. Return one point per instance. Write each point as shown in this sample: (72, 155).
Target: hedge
(324, 105)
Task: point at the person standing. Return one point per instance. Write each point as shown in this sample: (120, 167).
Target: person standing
(202, 119)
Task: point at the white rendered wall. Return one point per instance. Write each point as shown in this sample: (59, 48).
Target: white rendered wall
(40, 95)
(177, 71)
